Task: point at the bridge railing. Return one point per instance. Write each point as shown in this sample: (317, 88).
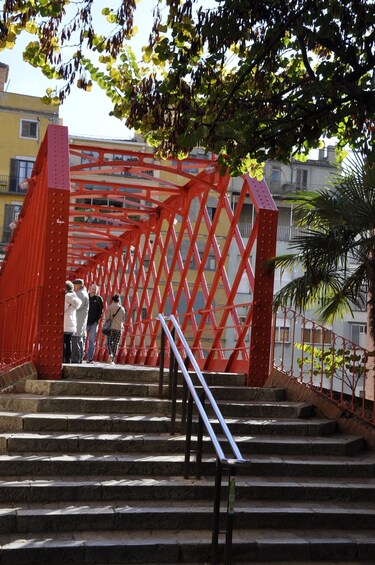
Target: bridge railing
(32, 274)
(331, 364)
(22, 329)
(229, 352)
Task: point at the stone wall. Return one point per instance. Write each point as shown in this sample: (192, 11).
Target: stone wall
(13, 377)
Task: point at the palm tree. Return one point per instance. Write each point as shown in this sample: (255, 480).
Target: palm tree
(336, 248)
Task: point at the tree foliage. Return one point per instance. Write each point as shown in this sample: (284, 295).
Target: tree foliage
(336, 247)
(246, 79)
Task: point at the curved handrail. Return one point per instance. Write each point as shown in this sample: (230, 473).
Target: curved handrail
(223, 425)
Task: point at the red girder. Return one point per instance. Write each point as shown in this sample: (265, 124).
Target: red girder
(164, 238)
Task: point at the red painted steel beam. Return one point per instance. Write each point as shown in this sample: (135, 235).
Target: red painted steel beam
(48, 358)
(263, 283)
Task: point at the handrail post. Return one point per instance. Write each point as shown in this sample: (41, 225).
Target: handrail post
(183, 406)
(171, 365)
(198, 471)
(184, 399)
(216, 512)
(189, 421)
(174, 396)
(172, 384)
(230, 514)
(162, 360)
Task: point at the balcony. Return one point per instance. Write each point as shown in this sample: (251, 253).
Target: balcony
(281, 189)
(284, 233)
(11, 184)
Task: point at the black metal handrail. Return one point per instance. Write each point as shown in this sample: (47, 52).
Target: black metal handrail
(222, 462)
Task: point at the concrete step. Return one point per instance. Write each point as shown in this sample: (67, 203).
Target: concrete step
(259, 409)
(102, 388)
(92, 475)
(185, 547)
(82, 422)
(89, 388)
(130, 373)
(109, 373)
(136, 464)
(88, 404)
(165, 443)
(172, 515)
(131, 404)
(79, 488)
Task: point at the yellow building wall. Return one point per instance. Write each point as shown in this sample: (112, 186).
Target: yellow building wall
(13, 109)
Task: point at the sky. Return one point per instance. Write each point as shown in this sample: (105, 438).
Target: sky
(84, 113)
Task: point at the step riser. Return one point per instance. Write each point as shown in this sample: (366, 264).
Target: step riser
(108, 519)
(76, 553)
(105, 493)
(71, 388)
(108, 465)
(151, 406)
(263, 411)
(120, 375)
(88, 406)
(115, 424)
(171, 445)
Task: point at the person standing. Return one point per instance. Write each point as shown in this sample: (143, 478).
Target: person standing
(95, 312)
(72, 302)
(116, 313)
(78, 338)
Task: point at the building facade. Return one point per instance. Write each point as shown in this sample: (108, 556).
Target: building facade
(24, 120)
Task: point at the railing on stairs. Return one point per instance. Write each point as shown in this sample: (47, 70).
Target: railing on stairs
(198, 394)
(332, 365)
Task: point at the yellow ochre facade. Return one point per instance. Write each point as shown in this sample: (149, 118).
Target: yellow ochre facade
(23, 123)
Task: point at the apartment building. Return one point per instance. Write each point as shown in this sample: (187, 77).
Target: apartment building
(282, 179)
(24, 120)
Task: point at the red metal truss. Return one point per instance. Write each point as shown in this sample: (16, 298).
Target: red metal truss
(165, 236)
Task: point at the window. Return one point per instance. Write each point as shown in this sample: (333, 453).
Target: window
(275, 176)
(316, 335)
(357, 331)
(211, 212)
(282, 334)
(211, 263)
(85, 160)
(29, 129)
(301, 178)
(20, 170)
(11, 212)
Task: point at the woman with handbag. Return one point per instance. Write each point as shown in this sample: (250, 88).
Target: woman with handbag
(116, 313)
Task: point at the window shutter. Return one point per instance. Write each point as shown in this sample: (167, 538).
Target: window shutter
(13, 175)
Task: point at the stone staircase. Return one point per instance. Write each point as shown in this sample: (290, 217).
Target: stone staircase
(89, 474)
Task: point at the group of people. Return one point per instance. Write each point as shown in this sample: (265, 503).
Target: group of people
(82, 313)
